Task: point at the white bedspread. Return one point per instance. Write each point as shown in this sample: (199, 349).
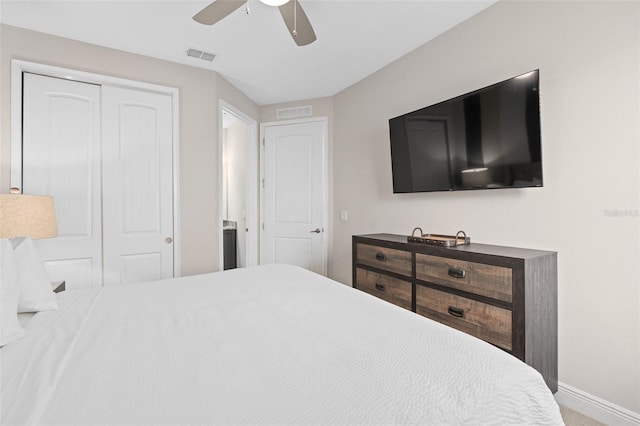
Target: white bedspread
(267, 345)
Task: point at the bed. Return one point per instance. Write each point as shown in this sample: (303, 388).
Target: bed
(273, 344)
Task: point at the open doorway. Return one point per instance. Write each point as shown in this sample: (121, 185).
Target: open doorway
(239, 192)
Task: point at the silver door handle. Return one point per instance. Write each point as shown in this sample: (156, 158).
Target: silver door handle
(168, 240)
(317, 231)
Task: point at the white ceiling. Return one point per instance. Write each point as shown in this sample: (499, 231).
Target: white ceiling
(255, 52)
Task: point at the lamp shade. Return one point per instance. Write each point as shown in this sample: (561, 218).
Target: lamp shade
(32, 216)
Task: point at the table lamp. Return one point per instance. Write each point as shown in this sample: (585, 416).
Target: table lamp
(32, 216)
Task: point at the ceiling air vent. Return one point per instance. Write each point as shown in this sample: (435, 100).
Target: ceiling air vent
(301, 111)
(200, 54)
(206, 56)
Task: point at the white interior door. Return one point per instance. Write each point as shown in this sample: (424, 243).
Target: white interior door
(61, 158)
(137, 185)
(294, 194)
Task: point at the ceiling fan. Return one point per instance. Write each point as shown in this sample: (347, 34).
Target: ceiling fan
(292, 13)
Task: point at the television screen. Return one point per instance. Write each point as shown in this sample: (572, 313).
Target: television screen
(485, 139)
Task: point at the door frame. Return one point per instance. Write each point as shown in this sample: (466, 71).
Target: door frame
(325, 179)
(251, 193)
(19, 66)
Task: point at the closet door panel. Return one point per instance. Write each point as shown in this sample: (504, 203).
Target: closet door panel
(137, 185)
(140, 267)
(139, 163)
(61, 158)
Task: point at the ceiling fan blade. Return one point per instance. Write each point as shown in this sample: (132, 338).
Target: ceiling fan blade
(299, 27)
(217, 10)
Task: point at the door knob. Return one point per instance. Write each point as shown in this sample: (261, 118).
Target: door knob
(317, 231)
(168, 240)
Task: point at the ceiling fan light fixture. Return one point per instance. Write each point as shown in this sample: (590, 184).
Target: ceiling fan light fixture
(274, 2)
(292, 13)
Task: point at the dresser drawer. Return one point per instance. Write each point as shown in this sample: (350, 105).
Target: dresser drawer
(385, 287)
(398, 261)
(486, 322)
(486, 280)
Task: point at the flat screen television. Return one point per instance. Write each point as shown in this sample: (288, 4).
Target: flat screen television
(486, 139)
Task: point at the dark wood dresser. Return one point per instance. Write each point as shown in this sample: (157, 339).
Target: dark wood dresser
(504, 295)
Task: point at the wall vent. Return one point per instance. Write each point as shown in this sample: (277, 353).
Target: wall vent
(301, 111)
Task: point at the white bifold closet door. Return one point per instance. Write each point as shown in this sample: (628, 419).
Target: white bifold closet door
(105, 155)
(137, 185)
(61, 157)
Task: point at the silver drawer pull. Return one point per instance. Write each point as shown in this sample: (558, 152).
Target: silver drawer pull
(456, 312)
(457, 272)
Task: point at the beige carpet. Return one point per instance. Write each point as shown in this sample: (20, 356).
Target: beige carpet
(573, 418)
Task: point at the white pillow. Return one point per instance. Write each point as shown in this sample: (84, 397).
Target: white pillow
(36, 293)
(10, 329)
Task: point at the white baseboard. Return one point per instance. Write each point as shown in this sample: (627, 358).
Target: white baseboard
(594, 407)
